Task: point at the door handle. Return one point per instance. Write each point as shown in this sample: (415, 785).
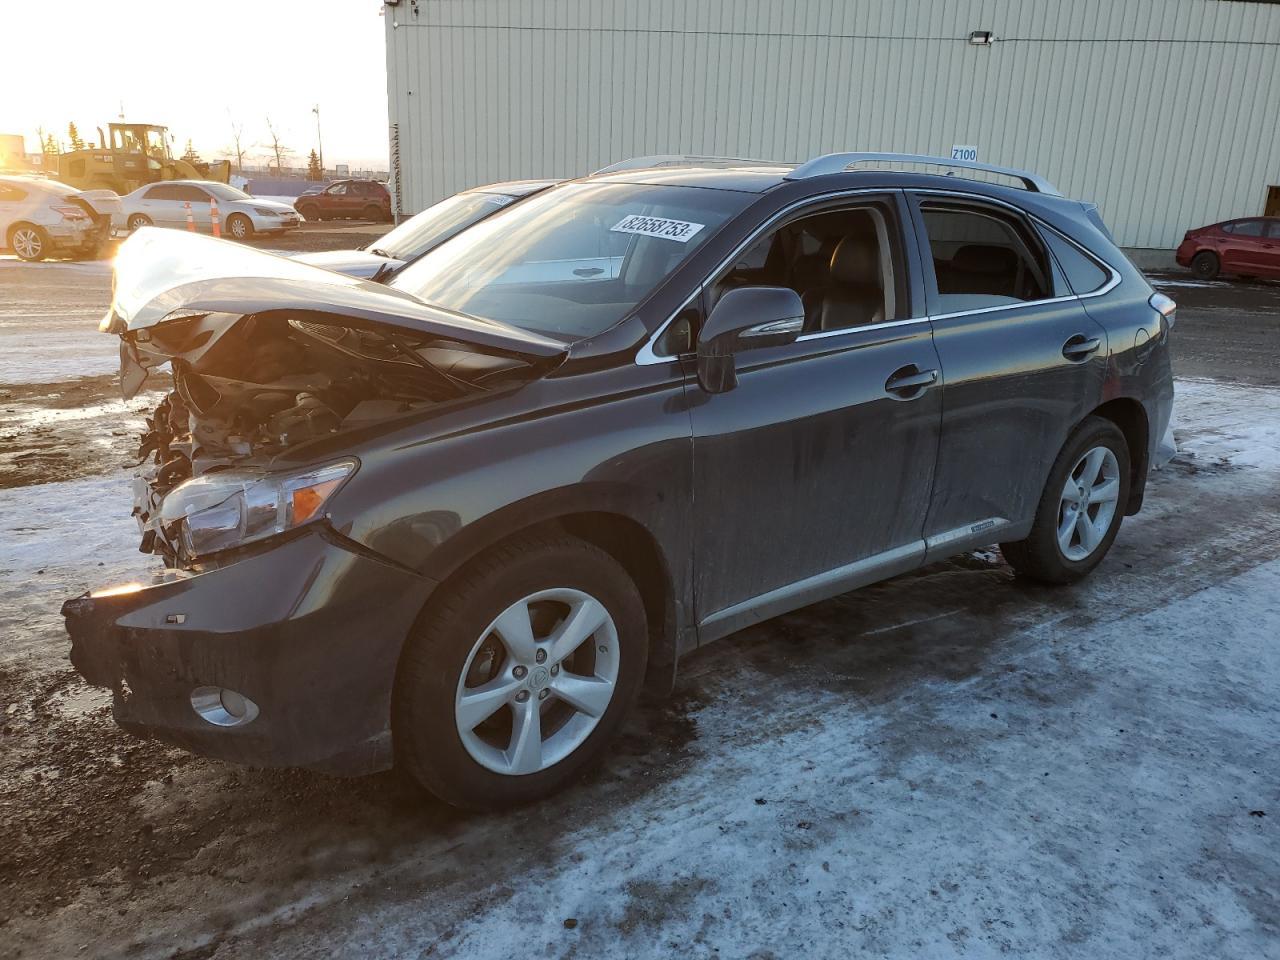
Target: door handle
(588, 271)
(909, 382)
(1080, 347)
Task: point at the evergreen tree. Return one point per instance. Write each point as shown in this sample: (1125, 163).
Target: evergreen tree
(50, 145)
(73, 135)
(313, 167)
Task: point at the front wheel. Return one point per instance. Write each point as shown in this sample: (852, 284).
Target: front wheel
(1081, 508)
(240, 226)
(521, 675)
(308, 211)
(1205, 265)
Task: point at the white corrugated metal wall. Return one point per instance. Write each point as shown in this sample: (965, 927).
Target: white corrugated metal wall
(1165, 112)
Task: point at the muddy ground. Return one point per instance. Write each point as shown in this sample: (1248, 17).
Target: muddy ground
(953, 763)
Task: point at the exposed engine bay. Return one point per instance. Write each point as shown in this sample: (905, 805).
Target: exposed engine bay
(246, 388)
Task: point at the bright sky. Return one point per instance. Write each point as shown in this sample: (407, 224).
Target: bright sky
(195, 67)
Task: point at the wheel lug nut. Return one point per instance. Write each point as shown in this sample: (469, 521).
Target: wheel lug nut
(542, 694)
(603, 648)
(540, 656)
(519, 672)
(555, 670)
(522, 696)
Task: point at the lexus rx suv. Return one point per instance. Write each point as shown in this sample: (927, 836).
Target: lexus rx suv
(456, 522)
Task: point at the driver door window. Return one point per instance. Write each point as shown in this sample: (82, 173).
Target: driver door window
(845, 265)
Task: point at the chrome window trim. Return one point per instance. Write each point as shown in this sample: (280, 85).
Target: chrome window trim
(646, 355)
(1105, 288)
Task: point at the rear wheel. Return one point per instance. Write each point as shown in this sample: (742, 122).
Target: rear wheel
(374, 212)
(1081, 508)
(137, 221)
(239, 226)
(29, 242)
(521, 675)
(1205, 265)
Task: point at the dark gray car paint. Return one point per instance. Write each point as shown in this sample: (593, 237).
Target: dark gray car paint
(805, 480)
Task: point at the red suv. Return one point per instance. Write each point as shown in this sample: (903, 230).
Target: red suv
(355, 199)
(1247, 248)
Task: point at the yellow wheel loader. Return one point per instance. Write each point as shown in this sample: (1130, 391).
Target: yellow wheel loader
(133, 154)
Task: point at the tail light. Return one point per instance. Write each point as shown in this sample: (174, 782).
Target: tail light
(68, 212)
(1167, 309)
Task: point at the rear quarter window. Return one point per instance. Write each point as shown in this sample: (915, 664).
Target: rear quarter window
(1083, 273)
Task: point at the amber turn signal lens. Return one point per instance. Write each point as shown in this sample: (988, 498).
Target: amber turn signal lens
(308, 500)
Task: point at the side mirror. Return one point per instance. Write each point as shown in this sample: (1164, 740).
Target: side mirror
(745, 318)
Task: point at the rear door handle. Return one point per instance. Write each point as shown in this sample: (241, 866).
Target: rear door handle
(909, 382)
(1080, 347)
(588, 271)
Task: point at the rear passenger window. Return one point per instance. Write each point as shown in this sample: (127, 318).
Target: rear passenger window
(1083, 273)
(1273, 229)
(983, 257)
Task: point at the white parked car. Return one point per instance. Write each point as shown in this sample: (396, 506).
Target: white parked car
(42, 218)
(165, 204)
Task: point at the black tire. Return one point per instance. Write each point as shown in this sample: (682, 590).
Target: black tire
(374, 212)
(308, 211)
(427, 742)
(30, 242)
(1205, 265)
(137, 221)
(1040, 556)
(239, 227)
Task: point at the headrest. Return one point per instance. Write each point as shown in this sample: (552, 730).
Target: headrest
(855, 260)
(985, 259)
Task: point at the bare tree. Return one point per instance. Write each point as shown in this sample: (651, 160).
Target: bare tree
(237, 150)
(278, 148)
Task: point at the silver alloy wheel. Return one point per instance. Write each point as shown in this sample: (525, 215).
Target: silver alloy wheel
(1088, 504)
(27, 243)
(237, 228)
(542, 688)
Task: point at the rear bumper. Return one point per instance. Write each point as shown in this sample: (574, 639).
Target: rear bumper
(78, 235)
(307, 629)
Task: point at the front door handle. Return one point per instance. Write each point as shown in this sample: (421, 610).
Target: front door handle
(909, 382)
(588, 271)
(1080, 347)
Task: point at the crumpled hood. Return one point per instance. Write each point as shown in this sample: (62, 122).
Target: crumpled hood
(355, 263)
(169, 274)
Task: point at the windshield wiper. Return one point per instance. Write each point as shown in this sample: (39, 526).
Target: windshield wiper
(457, 385)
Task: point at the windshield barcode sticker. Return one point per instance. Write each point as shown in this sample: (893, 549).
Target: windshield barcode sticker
(681, 231)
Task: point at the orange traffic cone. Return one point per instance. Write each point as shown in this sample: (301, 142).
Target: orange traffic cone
(191, 221)
(213, 213)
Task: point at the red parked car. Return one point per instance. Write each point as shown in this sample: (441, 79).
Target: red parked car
(355, 199)
(1246, 248)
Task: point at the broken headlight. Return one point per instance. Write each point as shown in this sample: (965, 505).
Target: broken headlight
(221, 510)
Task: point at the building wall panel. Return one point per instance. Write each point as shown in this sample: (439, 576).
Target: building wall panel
(1162, 111)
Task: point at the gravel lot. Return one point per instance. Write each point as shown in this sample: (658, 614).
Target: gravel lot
(953, 763)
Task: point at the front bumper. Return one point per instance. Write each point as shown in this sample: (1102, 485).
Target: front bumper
(275, 224)
(309, 629)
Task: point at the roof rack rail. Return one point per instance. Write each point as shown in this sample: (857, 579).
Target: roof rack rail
(683, 160)
(840, 162)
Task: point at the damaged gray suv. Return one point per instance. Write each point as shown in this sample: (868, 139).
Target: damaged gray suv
(455, 523)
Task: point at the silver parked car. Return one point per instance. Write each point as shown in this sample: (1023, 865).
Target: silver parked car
(41, 218)
(241, 216)
(424, 232)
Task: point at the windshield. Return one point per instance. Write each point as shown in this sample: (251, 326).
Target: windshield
(224, 192)
(573, 261)
(436, 224)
